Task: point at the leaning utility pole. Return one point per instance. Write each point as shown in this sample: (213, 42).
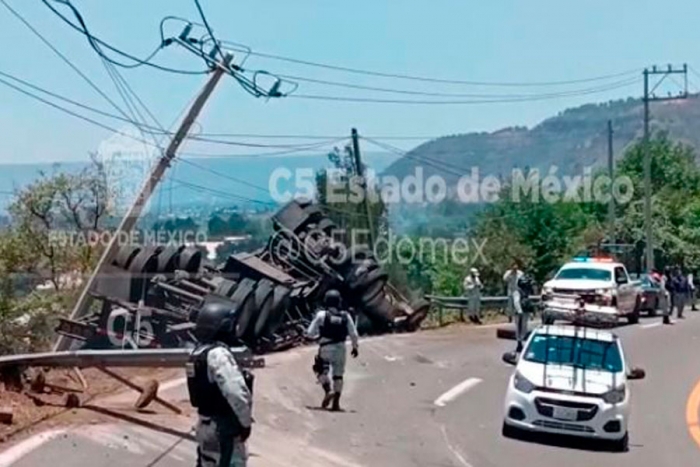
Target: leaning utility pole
(648, 97)
(611, 172)
(131, 218)
(365, 186)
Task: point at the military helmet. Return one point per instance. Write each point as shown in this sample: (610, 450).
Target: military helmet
(215, 321)
(332, 299)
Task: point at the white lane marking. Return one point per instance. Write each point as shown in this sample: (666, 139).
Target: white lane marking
(20, 450)
(456, 391)
(651, 325)
(454, 451)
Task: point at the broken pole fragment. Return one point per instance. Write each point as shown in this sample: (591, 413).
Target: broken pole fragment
(149, 393)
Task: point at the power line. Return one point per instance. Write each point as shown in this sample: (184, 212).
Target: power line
(227, 177)
(70, 112)
(63, 57)
(332, 98)
(96, 42)
(152, 129)
(434, 80)
(430, 93)
(121, 133)
(201, 188)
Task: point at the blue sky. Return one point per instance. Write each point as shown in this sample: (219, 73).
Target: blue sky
(500, 40)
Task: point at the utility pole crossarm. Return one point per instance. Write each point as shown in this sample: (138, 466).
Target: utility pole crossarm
(131, 218)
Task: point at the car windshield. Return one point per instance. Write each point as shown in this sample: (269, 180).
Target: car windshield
(588, 354)
(584, 274)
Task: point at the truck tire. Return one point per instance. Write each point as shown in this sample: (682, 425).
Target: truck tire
(125, 256)
(264, 296)
(244, 298)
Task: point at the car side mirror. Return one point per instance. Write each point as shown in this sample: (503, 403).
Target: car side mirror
(636, 373)
(511, 358)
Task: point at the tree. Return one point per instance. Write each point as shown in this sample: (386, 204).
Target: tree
(339, 191)
(57, 216)
(675, 185)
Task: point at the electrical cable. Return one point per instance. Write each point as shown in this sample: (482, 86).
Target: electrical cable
(63, 57)
(438, 80)
(435, 94)
(221, 193)
(331, 98)
(209, 30)
(70, 112)
(96, 42)
(225, 176)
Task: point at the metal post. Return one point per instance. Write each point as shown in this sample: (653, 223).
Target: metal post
(360, 173)
(130, 219)
(647, 178)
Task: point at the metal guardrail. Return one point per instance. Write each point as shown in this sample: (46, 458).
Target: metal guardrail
(154, 358)
(461, 303)
(464, 301)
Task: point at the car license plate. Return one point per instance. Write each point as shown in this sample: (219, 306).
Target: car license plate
(565, 413)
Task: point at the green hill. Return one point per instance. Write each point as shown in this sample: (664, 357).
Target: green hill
(572, 140)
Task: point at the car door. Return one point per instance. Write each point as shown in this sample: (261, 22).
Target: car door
(625, 300)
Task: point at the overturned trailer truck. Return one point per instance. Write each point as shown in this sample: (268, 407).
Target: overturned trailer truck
(150, 295)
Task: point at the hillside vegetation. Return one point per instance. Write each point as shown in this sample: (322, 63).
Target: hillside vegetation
(572, 140)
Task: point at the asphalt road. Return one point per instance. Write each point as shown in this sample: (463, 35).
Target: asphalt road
(396, 416)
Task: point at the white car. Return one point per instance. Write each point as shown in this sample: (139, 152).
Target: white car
(591, 289)
(570, 380)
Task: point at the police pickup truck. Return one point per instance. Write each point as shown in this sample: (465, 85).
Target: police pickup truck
(597, 290)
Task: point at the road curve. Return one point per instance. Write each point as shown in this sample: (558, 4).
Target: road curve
(428, 399)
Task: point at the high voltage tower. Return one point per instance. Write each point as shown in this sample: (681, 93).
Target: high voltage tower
(661, 74)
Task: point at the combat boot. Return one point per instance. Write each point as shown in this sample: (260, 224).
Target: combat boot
(336, 403)
(328, 397)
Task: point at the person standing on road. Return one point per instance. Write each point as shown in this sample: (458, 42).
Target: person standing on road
(691, 295)
(333, 326)
(680, 292)
(668, 294)
(511, 278)
(523, 309)
(220, 390)
(472, 289)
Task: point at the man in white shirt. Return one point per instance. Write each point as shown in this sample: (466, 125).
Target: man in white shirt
(472, 290)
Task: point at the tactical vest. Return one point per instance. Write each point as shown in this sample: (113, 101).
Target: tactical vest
(206, 396)
(335, 326)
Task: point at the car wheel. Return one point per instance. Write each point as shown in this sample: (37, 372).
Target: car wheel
(509, 431)
(547, 319)
(622, 444)
(652, 310)
(633, 318)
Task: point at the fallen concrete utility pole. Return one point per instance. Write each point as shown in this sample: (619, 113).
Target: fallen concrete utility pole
(131, 218)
